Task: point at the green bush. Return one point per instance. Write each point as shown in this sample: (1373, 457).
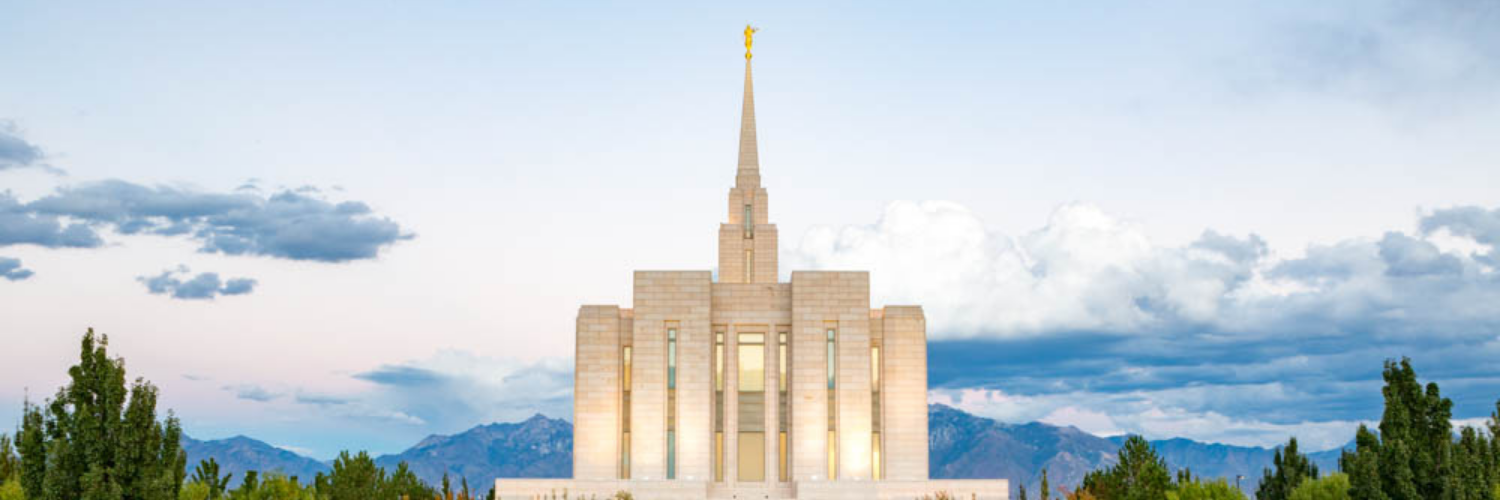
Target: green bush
(1330, 487)
(11, 490)
(1218, 489)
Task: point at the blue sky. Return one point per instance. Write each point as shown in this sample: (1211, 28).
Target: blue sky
(352, 224)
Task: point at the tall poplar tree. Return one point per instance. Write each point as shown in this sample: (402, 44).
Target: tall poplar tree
(96, 440)
(1289, 469)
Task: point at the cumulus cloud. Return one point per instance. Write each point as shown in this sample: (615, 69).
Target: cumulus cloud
(10, 269)
(1088, 305)
(296, 225)
(201, 287)
(1113, 414)
(16, 152)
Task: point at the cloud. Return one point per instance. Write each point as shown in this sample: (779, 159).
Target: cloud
(320, 399)
(10, 269)
(252, 392)
(201, 287)
(19, 225)
(295, 225)
(1217, 331)
(454, 390)
(16, 152)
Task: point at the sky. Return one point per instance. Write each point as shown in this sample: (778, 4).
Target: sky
(350, 225)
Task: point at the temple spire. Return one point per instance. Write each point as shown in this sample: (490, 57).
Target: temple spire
(748, 174)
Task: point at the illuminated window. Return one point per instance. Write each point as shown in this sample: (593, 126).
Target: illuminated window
(719, 405)
(625, 370)
(833, 442)
(749, 266)
(671, 403)
(751, 364)
(876, 415)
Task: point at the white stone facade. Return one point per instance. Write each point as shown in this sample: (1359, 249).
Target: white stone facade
(704, 430)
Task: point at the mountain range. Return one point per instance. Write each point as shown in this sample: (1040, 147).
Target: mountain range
(962, 446)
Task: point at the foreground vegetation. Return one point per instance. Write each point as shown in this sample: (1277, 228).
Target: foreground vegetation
(96, 440)
(1413, 456)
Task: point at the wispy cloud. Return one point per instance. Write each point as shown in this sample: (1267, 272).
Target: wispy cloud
(16, 152)
(204, 286)
(252, 392)
(454, 390)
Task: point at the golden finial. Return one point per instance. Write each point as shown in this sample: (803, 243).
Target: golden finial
(749, 32)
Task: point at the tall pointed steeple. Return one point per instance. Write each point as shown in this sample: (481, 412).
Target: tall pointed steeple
(748, 174)
(747, 243)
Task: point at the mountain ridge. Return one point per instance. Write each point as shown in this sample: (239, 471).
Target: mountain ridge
(962, 445)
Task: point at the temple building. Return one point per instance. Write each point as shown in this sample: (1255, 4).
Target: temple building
(742, 386)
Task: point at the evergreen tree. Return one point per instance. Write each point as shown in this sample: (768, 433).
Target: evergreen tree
(95, 440)
(354, 478)
(1363, 467)
(207, 474)
(1044, 493)
(31, 443)
(1021, 493)
(1290, 469)
(1468, 478)
(10, 466)
(404, 483)
(1140, 475)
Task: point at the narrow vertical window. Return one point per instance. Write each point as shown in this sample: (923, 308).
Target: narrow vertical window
(625, 369)
(783, 402)
(749, 222)
(876, 416)
(719, 405)
(833, 442)
(749, 266)
(672, 403)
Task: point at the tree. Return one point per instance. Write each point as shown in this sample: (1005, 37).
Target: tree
(1021, 493)
(354, 478)
(405, 483)
(1043, 495)
(96, 440)
(1290, 469)
(1363, 467)
(1331, 487)
(32, 444)
(207, 474)
(1140, 475)
(10, 466)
